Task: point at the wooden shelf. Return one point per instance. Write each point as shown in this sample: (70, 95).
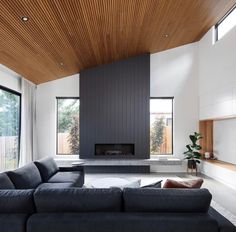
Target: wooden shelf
(222, 164)
(206, 130)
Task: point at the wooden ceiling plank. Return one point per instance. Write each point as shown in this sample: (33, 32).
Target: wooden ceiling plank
(63, 37)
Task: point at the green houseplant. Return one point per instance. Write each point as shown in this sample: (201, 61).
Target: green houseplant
(193, 154)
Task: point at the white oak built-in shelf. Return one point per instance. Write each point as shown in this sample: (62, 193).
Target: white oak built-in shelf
(206, 130)
(222, 164)
(220, 171)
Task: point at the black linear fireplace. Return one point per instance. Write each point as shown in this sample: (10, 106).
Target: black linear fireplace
(114, 149)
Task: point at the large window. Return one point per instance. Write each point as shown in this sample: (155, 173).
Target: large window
(161, 126)
(226, 23)
(67, 126)
(10, 104)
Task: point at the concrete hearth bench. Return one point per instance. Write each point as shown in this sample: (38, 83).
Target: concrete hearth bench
(121, 165)
(43, 173)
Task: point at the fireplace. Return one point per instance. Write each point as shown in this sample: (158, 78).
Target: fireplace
(114, 149)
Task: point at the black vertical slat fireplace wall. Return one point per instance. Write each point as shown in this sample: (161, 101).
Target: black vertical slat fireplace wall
(114, 108)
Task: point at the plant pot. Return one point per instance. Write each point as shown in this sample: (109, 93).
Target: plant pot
(192, 164)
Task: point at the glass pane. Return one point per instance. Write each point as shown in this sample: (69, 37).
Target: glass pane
(161, 124)
(227, 24)
(9, 129)
(67, 126)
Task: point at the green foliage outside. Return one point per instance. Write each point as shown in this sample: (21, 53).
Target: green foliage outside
(67, 109)
(157, 134)
(74, 136)
(9, 114)
(9, 129)
(68, 122)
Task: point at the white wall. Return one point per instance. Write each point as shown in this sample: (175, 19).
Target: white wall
(217, 78)
(174, 73)
(217, 90)
(9, 79)
(46, 111)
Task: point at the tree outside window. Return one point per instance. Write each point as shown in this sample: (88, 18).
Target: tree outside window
(9, 128)
(67, 126)
(161, 126)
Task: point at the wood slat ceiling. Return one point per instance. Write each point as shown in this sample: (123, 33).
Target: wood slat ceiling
(63, 37)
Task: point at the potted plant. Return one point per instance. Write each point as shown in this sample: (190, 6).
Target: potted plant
(193, 154)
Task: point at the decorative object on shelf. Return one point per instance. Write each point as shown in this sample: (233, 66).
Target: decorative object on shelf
(193, 154)
(207, 155)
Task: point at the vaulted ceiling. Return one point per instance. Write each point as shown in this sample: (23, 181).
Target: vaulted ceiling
(63, 37)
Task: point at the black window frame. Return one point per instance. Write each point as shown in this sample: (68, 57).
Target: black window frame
(221, 20)
(4, 88)
(172, 128)
(78, 98)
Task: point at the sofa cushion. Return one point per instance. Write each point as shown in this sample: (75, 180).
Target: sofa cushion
(47, 167)
(13, 222)
(78, 200)
(122, 222)
(5, 182)
(183, 184)
(61, 177)
(16, 201)
(55, 185)
(224, 224)
(27, 177)
(166, 200)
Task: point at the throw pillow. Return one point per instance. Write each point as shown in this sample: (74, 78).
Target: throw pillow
(5, 182)
(26, 177)
(183, 184)
(47, 167)
(153, 185)
(131, 184)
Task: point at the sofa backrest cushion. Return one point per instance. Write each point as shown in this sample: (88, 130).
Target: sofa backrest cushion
(47, 167)
(78, 200)
(16, 201)
(166, 200)
(5, 182)
(27, 177)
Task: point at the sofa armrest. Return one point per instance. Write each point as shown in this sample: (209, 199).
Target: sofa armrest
(224, 224)
(71, 169)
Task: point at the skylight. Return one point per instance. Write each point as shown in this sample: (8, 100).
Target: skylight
(226, 24)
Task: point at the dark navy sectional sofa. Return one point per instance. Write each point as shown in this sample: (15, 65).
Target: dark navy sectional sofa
(52, 206)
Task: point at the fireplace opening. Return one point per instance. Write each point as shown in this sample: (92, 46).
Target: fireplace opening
(114, 149)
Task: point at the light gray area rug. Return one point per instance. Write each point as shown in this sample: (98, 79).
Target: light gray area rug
(154, 177)
(224, 212)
